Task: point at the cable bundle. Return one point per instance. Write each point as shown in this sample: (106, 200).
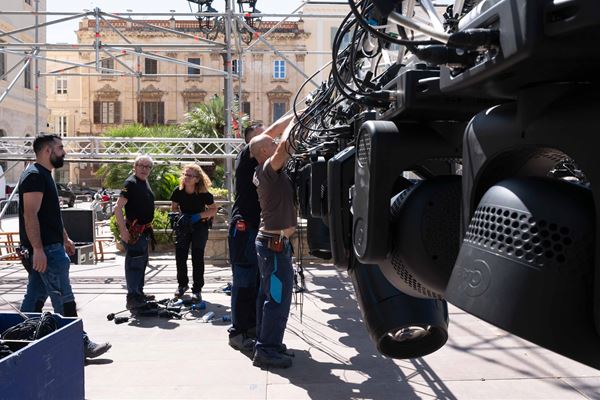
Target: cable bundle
(32, 328)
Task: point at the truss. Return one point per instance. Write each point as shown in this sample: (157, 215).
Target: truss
(102, 149)
(111, 149)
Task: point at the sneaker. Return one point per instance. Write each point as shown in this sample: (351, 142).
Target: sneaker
(196, 297)
(93, 350)
(242, 343)
(181, 290)
(277, 361)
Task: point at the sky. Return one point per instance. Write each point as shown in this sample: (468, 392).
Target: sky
(64, 31)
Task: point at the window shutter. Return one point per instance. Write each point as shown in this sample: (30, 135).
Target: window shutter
(97, 110)
(161, 113)
(117, 112)
(140, 116)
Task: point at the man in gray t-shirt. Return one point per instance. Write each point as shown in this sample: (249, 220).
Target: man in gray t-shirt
(277, 223)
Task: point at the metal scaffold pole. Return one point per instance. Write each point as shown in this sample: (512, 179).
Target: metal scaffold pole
(37, 70)
(228, 100)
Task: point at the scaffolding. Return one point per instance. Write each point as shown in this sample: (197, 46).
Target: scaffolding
(93, 149)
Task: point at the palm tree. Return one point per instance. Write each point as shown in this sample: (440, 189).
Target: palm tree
(163, 178)
(208, 119)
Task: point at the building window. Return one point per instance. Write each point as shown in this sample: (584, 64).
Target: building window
(237, 67)
(107, 112)
(61, 85)
(150, 66)
(246, 108)
(279, 69)
(60, 125)
(107, 63)
(151, 113)
(192, 70)
(345, 39)
(27, 77)
(278, 110)
(192, 105)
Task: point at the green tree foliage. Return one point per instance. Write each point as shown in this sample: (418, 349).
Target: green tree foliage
(163, 178)
(208, 121)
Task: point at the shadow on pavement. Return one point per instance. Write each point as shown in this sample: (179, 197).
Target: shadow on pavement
(372, 375)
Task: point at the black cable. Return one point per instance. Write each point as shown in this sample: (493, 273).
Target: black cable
(32, 328)
(366, 26)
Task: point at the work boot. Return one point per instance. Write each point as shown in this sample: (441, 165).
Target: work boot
(93, 350)
(274, 361)
(135, 302)
(242, 343)
(148, 297)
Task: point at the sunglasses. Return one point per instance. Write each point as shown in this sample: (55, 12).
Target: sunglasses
(189, 175)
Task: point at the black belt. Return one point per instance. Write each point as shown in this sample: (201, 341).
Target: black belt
(264, 238)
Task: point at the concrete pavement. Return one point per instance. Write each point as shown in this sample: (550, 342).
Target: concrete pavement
(334, 358)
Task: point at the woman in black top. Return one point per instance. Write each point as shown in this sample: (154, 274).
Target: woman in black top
(196, 207)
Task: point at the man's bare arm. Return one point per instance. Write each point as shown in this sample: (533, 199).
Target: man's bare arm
(277, 127)
(123, 232)
(31, 206)
(32, 202)
(284, 149)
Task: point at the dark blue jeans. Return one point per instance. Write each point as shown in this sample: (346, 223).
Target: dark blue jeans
(244, 269)
(197, 236)
(53, 282)
(274, 297)
(136, 260)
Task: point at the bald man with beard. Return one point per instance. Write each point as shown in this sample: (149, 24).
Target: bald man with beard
(278, 222)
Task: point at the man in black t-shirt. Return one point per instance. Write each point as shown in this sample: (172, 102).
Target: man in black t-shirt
(135, 229)
(46, 241)
(243, 227)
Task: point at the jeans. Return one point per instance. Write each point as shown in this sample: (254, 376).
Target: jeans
(274, 297)
(244, 288)
(136, 260)
(197, 236)
(53, 282)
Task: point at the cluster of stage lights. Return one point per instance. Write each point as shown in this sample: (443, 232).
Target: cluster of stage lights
(246, 7)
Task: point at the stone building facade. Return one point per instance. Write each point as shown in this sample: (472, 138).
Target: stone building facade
(17, 110)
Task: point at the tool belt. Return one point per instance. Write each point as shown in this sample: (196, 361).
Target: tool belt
(136, 230)
(275, 243)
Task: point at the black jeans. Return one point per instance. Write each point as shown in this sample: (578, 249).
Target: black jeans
(246, 279)
(196, 235)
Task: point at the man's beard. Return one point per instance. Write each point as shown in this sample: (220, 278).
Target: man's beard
(57, 162)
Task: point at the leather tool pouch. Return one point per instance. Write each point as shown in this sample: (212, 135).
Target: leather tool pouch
(275, 244)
